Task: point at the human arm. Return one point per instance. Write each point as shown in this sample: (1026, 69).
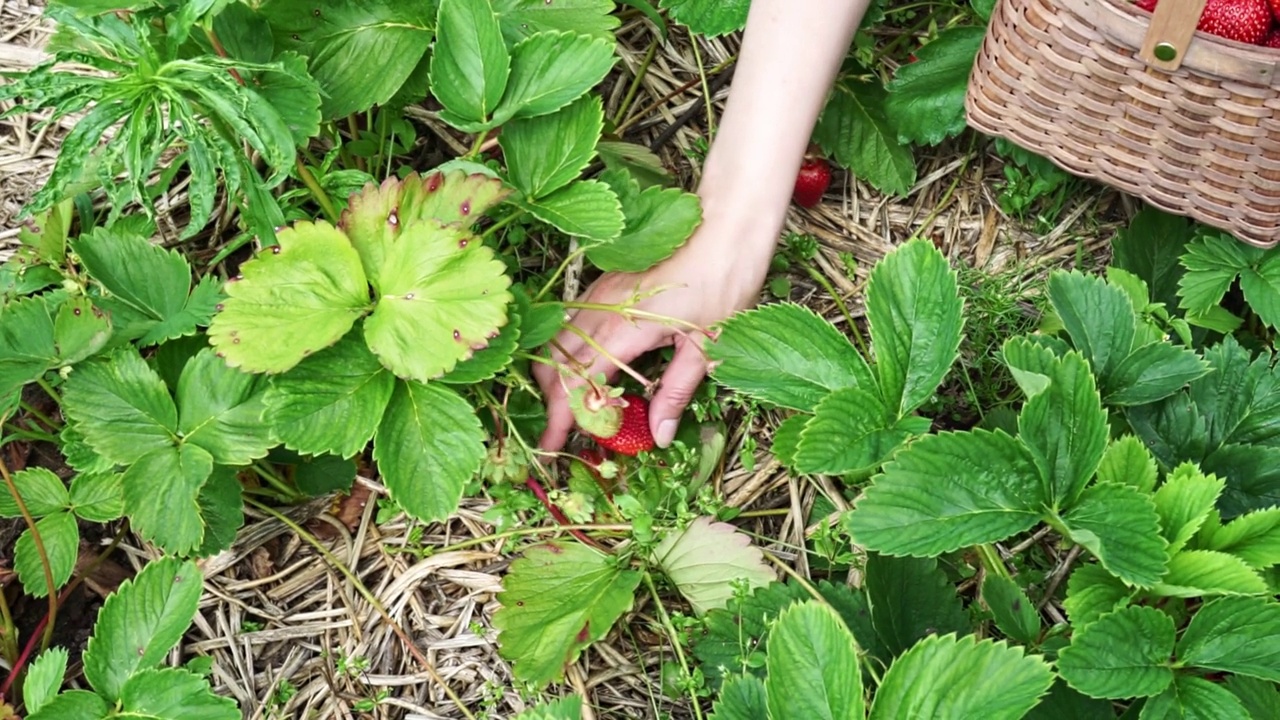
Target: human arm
(790, 55)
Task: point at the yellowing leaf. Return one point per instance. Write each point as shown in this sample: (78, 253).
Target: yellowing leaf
(706, 558)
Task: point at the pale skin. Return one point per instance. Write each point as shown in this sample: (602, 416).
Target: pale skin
(791, 52)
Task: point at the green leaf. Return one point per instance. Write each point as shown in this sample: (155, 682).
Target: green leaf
(950, 677)
(1193, 698)
(1172, 429)
(736, 637)
(140, 623)
(710, 18)
(741, 698)
(470, 63)
(1253, 477)
(1236, 635)
(586, 208)
(221, 410)
(522, 18)
(1254, 538)
(1098, 316)
(1152, 372)
(46, 234)
(545, 153)
(638, 161)
(1150, 248)
(160, 496)
(1261, 286)
(378, 217)
(706, 561)
(324, 474)
(565, 708)
(1238, 400)
(910, 599)
(1184, 502)
(556, 600)
(1123, 654)
(78, 704)
(44, 677)
(811, 651)
(854, 130)
(926, 97)
(173, 693)
(755, 354)
(657, 222)
(848, 433)
(42, 492)
(1065, 427)
(1260, 697)
(331, 402)
(430, 443)
(27, 344)
(914, 307)
(1198, 573)
(549, 70)
(221, 511)
(79, 330)
(786, 439)
(1093, 592)
(61, 538)
(1063, 703)
(359, 53)
(121, 406)
(1013, 613)
(1127, 462)
(300, 297)
(1212, 262)
(442, 291)
(540, 323)
(1120, 526)
(146, 279)
(948, 491)
(293, 92)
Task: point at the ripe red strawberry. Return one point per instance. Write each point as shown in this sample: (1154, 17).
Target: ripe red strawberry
(634, 436)
(1246, 21)
(812, 181)
(1148, 5)
(1272, 40)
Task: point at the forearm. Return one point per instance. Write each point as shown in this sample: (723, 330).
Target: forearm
(791, 53)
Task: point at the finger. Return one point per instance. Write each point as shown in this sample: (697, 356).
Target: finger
(687, 369)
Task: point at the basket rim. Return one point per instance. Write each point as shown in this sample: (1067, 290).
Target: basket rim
(1127, 24)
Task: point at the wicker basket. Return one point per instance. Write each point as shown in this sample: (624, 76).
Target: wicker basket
(1186, 121)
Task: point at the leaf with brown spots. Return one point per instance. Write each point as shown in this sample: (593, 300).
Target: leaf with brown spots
(378, 215)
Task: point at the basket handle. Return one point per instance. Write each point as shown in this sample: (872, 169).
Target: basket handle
(1172, 25)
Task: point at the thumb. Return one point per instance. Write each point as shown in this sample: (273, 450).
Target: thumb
(687, 369)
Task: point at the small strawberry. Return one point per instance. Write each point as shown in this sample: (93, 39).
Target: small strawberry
(1272, 40)
(633, 436)
(812, 181)
(1246, 21)
(1148, 5)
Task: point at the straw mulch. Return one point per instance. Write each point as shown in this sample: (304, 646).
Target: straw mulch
(290, 635)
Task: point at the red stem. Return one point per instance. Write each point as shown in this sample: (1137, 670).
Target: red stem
(559, 516)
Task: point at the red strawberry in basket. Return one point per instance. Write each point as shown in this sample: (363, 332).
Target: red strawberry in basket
(1272, 40)
(1246, 21)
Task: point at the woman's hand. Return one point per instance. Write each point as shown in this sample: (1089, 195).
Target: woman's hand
(790, 55)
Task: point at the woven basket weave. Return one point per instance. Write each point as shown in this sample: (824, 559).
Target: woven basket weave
(1087, 84)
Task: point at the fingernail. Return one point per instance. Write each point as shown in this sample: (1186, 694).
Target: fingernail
(666, 432)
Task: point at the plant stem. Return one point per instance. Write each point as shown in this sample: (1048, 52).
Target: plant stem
(265, 472)
(822, 280)
(477, 144)
(706, 91)
(559, 271)
(635, 83)
(20, 433)
(369, 598)
(632, 313)
(539, 492)
(667, 625)
(8, 634)
(591, 342)
(520, 532)
(991, 561)
(788, 570)
(49, 424)
(48, 389)
(489, 231)
(317, 192)
(44, 556)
